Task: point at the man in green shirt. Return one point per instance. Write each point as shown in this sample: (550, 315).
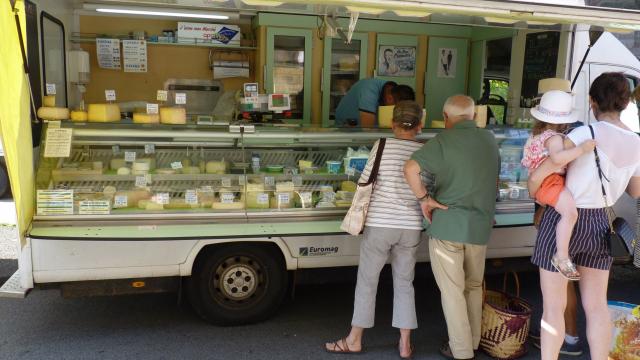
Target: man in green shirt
(465, 162)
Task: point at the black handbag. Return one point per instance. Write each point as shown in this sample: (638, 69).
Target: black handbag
(621, 237)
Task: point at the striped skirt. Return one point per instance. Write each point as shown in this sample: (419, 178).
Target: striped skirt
(588, 246)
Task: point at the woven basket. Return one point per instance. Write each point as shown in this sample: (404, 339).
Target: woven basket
(505, 323)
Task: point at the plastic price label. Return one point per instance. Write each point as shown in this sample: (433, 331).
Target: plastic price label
(269, 181)
(129, 156)
(162, 198)
(149, 149)
(181, 98)
(110, 95)
(263, 198)
(283, 198)
(226, 182)
(297, 180)
(228, 198)
(176, 165)
(115, 149)
(191, 197)
(120, 201)
(141, 181)
(51, 89)
(152, 108)
(162, 95)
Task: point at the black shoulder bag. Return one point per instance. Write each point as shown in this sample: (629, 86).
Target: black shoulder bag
(621, 236)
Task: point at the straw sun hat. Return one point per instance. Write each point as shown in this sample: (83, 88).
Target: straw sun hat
(556, 107)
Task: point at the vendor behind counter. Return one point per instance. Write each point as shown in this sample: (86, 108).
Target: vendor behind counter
(359, 107)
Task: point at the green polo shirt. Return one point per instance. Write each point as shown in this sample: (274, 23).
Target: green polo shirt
(465, 163)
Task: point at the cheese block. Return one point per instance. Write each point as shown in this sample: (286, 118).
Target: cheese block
(49, 101)
(134, 196)
(154, 206)
(304, 164)
(144, 118)
(257, 200)
(348, 186)
(282, 200)
(173, 115)
(180, 204)
(116, 164)
(191, 170)
(216, 167)
(103, 113)
(79, 116)
(140, 167)
(282, 186)
(53, 113)
(149, 160)
(124, 171)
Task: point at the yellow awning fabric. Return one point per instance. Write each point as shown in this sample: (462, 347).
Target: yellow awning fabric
(15, 126)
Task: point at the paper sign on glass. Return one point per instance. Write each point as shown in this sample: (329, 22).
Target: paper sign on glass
(58, 143)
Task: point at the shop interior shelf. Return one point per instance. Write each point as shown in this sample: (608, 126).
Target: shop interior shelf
(79, 39)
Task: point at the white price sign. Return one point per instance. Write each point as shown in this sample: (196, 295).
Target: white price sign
(181, 98)
(141, 181)
(283, 198)
(120, 201)
(162, 95)
(269, 181)
(306, 198)
(152, 108)
(129, 156)
(51, 89)
(110, 95)
(115, 149)
(297, 180)
(161, 198)
(191, 197)
(226, 182)
(228, 198)
(149, 149)
(263, 198)
(176, 165)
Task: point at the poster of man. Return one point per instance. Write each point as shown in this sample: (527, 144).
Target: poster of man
(447, 59)
(397, 61)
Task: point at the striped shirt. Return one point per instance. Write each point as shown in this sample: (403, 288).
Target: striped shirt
(393, 205)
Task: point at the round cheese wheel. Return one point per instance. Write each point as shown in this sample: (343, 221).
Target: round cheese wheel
(79, 115)
(143, 118)
(53, 113)
(124, 171)
(49, 101)
(173, 115)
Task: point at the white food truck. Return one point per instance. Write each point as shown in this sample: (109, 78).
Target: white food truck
(130, 201)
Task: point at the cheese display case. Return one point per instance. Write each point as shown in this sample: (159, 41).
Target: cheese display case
(134, 171)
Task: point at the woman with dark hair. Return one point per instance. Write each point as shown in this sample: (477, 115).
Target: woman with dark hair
(618, 150)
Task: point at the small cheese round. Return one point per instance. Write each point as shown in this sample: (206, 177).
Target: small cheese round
(53, 113)
(79, 116)
(143, 118)
(173, 115)
(49, 101)
(124, 171)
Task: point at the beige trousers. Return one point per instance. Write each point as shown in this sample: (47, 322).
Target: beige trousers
(459, 270)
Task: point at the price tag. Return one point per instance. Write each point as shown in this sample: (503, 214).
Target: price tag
(120, 201)
(181, 98)
(351, 171)
(297, 180)
(226, 182)
(283, 198)
(152, 108)
(191, 197)
(110, 95)
(228, 198)
(115, 149)
(149, 149)
(328, 196)
(263, 198)
(161, 198)
(306, 198)
(162, 95)
(242, 180)
(51, 89)
(269, 181)
(94, 207)
(141, 181)
(129, 156)
(176, 165)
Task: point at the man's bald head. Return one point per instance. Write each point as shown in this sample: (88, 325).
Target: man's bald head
(458, 108)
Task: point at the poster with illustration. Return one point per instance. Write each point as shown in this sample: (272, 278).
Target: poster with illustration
(396, 60)
(447, 59)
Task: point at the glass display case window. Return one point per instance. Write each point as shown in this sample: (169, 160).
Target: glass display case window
(345, 70)
(288, 70)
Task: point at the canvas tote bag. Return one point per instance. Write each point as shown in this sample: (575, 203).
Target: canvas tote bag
(353, 223)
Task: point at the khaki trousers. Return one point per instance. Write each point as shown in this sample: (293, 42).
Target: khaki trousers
(459, 270)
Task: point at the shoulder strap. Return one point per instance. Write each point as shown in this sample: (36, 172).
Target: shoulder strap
(376, 163)
(600, 174)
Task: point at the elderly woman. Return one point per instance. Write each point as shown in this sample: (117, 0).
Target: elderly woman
(392, 230)
(619, 153)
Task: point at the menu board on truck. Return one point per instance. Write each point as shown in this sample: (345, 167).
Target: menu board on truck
(134, 53)
(108, 51)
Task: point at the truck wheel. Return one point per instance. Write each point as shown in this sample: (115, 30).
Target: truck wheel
(237, 284)
(4, 181)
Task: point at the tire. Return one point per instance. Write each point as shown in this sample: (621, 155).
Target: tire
(237, 284)
(4, 181)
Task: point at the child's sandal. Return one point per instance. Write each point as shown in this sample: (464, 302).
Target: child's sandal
(566, 267)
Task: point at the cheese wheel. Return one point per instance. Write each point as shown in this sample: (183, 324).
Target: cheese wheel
(109, 191)
(191, 170)
(49, 101)
(216, 167)
(143, 118)
(116, 164)
(124, 171)
(173, 115)
(103, 113)
(78, 115)
(53, 113)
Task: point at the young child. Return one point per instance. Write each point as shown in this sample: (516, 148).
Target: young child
(553, 116)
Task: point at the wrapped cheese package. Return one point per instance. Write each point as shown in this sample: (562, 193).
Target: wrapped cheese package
(53, 113)
(143, 118)
(173, 115)
(79, 115)
(256, 197)
(216, 167)
(103, 113)
(116, 164)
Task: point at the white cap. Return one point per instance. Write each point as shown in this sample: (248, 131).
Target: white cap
(556, 107)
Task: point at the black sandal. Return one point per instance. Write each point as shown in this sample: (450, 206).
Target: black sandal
(341, 347)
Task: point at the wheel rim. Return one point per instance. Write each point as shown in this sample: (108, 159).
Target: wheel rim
(238, 281)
